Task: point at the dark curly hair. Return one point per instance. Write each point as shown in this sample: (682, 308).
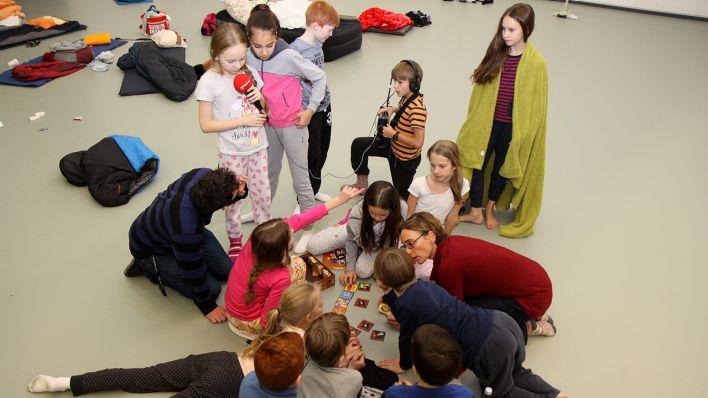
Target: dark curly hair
(214, 191)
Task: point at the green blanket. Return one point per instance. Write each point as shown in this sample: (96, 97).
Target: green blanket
(525, 161)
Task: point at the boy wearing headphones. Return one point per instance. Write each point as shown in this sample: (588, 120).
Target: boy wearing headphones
(403, 135)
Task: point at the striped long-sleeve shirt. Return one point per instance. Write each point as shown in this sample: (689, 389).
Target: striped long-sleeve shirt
(505, 97)
(415, 115)
(173, 225)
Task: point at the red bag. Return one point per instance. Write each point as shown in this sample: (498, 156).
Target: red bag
(154, 21)
(80, 56)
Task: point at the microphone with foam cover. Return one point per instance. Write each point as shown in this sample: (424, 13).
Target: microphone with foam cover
(243, 83)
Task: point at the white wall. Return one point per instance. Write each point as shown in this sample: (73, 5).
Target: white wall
(695, 8)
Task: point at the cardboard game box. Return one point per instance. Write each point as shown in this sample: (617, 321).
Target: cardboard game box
(336, 259)
(317, 272)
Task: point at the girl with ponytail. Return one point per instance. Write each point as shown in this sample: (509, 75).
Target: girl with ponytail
(264, 269)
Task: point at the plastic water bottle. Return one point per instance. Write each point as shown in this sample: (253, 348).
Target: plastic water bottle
(487, 392)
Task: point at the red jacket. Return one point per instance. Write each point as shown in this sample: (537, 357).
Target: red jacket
(383, 19)
(468, 267)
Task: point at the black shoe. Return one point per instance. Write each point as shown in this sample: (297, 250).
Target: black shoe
(133, 270)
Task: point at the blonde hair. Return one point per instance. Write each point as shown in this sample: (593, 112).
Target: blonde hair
(296, 303)
(449, 150)
(225, 36)
(326, 339)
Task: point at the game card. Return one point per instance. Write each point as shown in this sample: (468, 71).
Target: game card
(363, 286)
(354, 331)
(360, 302)
(365, 325)
(341, 302)
(385, 309)
(339, 310)
(378, 335)
(347, 295)
(351, 287)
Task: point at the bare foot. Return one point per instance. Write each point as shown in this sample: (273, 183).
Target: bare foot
(492, 222)
(475, 216)
(562, 395)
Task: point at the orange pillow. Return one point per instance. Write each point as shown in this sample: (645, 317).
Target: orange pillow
(98, 39)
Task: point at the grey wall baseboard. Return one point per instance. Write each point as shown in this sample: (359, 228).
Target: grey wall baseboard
(641, 11)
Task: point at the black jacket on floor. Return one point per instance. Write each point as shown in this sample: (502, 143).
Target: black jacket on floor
(114, 169)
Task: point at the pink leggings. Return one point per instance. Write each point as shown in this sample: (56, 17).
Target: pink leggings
(255, 167)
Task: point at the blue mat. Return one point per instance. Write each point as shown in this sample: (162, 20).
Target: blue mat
(6, 76)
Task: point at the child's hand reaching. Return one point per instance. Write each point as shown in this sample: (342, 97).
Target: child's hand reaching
(394, 365)
(303, 118)
(242, 180)
(344, 196)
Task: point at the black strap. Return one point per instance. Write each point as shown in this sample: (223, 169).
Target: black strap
(394, 121)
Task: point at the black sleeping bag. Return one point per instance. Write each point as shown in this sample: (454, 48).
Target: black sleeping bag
(174, 78)
(114, 169)
(345, 39)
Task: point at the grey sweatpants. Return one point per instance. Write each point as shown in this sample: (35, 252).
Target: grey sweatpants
(499, 363)
(292, 141)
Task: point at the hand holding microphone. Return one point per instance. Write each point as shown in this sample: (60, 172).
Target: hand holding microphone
(243, 83)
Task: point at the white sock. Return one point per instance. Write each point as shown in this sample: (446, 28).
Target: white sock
(247, 217)
(44, 383)
(301, 245)
(322, 197)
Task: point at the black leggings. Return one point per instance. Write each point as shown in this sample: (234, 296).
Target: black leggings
(498, 145)
(213, 375)
(402, 171)
(320, 133)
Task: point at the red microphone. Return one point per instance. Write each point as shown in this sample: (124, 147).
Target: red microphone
(243, 83)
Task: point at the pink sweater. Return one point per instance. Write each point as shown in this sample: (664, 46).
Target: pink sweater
(270, 284)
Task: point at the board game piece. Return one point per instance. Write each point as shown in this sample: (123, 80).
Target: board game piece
(365, 325)
(336, 259)
(385, 309)
(364, 286)
(354, 331)
(378, 335)
(351, 287)
(360, 302)
(347, 295)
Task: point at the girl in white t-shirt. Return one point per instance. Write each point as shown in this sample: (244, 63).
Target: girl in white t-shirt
(242, 143)
(440, 193)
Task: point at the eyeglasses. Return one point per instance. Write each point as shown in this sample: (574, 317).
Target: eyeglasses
(409, 245)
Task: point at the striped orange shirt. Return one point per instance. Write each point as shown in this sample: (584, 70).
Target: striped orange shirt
(414, 115)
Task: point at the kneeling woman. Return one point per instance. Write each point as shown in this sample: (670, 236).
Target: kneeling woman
(482, 274)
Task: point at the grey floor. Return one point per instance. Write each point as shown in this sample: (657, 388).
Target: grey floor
(622, 232)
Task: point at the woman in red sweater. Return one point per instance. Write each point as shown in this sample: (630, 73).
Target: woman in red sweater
(482, 274)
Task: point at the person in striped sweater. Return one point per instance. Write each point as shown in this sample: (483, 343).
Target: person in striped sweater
(171, 245)
(401, 140)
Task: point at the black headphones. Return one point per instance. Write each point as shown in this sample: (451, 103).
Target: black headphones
(415, 84)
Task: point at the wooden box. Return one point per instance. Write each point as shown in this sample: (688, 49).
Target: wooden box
(317, 272)
(336, 259)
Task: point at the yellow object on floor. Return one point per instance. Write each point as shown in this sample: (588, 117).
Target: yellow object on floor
(98, 39)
